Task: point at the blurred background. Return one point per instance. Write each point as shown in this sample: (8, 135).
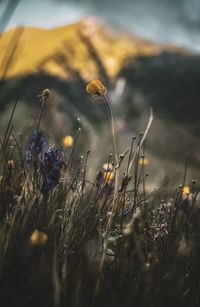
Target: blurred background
(146, 52)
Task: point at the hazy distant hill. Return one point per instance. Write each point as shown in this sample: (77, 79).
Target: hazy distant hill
(169, 82)
(39, 49)
(65, 58)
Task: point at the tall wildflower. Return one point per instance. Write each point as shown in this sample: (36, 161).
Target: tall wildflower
(35, 150)
(50, 167)
(36, 141)
(98, 90)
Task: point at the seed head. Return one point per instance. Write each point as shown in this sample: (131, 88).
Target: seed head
(10, 163)
(121, 156)
(46, 93)
(109, 214)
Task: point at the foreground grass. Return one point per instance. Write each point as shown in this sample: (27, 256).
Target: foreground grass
(102, 242)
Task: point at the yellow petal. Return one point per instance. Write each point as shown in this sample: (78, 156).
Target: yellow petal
(143, 161)
(186, 190)
(95, 88)
(68, 141)
(108, 177)
(38, 238)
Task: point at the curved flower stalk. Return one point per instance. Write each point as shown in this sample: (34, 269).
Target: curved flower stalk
(98, 90)
(50, 168)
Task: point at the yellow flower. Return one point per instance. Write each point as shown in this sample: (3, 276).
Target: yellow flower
(143, 161)
(108, 177)
(186, 190)
(95, 88)
(68, 141)
(38, 238)
(108, 167)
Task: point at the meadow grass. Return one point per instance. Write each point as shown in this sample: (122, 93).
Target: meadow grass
(70, 240)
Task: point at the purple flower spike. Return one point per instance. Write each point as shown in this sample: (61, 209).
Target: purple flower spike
(36, 145)
(50, 167)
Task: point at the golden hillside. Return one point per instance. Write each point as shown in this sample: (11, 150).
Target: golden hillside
(60, 50)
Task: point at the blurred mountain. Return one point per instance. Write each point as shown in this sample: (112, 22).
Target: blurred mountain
(169, 82)
(77, 45)
(65, 59)
(137, 72)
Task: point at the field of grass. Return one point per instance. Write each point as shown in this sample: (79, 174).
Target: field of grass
(70, 240)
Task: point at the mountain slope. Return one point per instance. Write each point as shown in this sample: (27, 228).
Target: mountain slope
(65, 58)
(61, 50)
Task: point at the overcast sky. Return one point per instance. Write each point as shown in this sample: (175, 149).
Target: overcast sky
(168, 21)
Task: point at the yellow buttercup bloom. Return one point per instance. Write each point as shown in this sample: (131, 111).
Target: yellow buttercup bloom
(95, 88)
(38, 238)
(143, 161)
(108, 177)
(68, 141)
(186, 190)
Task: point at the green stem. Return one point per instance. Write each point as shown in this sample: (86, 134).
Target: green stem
(112, 125)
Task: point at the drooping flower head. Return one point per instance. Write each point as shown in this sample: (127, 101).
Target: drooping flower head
(96, 88)
(50, 167)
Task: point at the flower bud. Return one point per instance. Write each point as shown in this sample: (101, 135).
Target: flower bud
(46, 93)
(38, 238)
(95, 88)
